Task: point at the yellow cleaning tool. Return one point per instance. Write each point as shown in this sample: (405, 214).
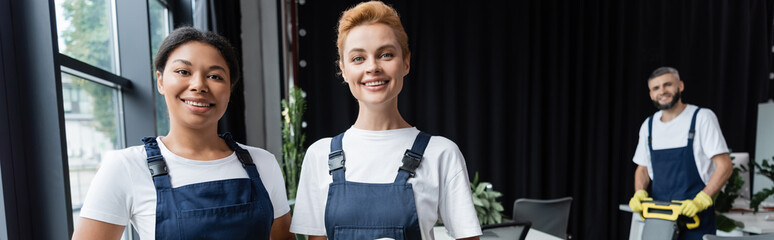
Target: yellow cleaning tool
(667, 211)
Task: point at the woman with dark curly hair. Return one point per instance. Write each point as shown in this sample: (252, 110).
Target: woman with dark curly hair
(191, 183)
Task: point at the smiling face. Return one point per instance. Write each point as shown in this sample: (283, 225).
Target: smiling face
(665, 91)
(373, 64)
(196, 85)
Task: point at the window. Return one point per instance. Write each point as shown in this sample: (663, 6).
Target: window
(159, 27)
(87, 91)
(92, 126)
(92, 105)
(86, 32)
(94, 81)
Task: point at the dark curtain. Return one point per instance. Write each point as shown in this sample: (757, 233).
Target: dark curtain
(545, 98)
(224, 17)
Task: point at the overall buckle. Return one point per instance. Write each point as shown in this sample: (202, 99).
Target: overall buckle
(411, 161)
(157, 166)
(336, 161)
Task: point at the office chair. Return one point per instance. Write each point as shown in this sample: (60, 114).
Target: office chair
(511, 230)
(752, 237)
(549, 216)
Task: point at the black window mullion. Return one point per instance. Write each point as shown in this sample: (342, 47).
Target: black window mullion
(133, 34)
(86, 68)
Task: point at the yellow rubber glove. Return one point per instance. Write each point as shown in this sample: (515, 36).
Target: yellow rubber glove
(691, 207)
(635, 203)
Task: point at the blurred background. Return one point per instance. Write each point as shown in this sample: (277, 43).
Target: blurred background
(544, 98)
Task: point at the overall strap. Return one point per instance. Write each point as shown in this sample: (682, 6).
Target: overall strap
(242, 154)
(692, 132)
(156, 164)
(650, 132)
(412, 158)
(336, 159)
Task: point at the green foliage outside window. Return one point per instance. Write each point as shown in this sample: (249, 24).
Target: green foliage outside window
(88, 39)
(88, 36)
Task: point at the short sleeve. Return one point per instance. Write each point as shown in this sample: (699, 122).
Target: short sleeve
(456, 202)
(311, 197)
(271, 176)
(710, 134)
(642, 153)
(109, 198)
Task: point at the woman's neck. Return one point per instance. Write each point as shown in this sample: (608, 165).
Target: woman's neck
(376, 118)
(198, 144)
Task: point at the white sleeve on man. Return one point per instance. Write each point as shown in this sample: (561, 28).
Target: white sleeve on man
(710, 134)
(110, 195)
(311, 197)
(642, 152)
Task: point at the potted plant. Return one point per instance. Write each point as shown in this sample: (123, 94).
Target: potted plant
(726, 198)
(766, 170)
(293, 138)
(488, 209)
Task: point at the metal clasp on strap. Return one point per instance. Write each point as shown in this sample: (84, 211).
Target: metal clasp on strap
(157, 166)
(336, 161)
(411, 161)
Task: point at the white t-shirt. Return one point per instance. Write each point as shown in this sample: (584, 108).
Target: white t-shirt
(122, 191)
(441, 185)
(708, 140)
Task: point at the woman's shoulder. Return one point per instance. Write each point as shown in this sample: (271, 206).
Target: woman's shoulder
(442, 143)
(131, 159)
(323, 145)
(259, 154)
(130, 154)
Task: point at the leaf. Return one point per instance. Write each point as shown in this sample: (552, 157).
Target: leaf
(497, 207)
(726, 224)
(759, 197)
(480, 188)
(478, 202)
(494, 194)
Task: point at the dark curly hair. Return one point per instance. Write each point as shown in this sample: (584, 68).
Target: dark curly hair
(184, 35)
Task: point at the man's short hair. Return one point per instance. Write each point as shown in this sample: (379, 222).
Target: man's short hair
(664, 70)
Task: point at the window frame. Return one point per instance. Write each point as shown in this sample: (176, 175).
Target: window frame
(34, 167)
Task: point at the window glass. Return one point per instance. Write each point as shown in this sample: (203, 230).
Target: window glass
(159, 28)
(86, 30)
(92, 127)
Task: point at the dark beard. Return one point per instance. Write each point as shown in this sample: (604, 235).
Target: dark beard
(670, 104)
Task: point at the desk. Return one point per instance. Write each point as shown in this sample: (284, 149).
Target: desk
(441, 234)
(753, 223)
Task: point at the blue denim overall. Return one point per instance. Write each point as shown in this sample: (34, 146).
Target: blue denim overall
(369, 210)
(675, 177)
(225, 209)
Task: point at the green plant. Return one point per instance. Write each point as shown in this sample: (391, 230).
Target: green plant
(726, 198)
(293, 138)
(488, 209)
(766, 170)
(730, 192)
